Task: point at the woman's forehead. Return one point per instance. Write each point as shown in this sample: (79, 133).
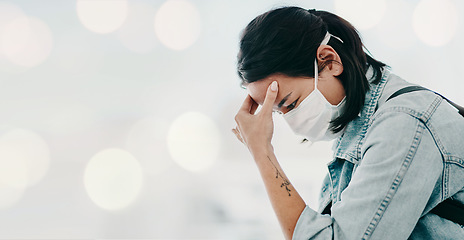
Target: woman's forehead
(257, 90)
(259, 96)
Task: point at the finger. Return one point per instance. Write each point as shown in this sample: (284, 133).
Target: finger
(246, 105)
(271, 96)
(237, 134)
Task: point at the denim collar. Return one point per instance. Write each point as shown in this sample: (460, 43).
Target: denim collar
(348, 145)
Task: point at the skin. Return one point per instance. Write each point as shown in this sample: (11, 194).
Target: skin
(255, 130)
(301, 87)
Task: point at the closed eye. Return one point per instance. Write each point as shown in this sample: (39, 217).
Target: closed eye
(292, 105)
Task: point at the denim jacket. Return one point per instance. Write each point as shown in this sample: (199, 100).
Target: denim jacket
(394, 163)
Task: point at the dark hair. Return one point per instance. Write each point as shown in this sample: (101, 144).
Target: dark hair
(285, 40)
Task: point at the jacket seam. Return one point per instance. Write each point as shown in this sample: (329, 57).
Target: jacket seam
(446, 172)
(423, 116)
(396, 182)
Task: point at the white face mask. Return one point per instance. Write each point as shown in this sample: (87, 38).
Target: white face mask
(312, 117)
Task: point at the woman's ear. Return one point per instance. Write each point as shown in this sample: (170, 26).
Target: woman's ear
(329, 58)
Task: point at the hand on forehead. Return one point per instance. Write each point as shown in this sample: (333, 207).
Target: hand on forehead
(257, 90)
(287, 85)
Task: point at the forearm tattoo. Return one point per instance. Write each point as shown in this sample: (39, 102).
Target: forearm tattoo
(285, 182)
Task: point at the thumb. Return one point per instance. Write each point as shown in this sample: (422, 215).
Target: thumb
(271, 96)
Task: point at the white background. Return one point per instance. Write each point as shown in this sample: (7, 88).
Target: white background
(114, 126)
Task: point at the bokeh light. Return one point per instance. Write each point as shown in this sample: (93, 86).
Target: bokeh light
(194, 141)
(24, 161)
(14, 170)
(363, 14)
(147, 142)
(30, 153)
(113, 179)
(14, 174)
(177, 24)
(137, 32)
(26, 41)
(435, 21)
(126, 116)
(8, 12)
(102, 16)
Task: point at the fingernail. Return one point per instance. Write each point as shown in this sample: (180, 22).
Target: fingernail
(274, 86)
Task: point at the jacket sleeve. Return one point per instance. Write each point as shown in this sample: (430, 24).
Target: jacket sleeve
(390, 188)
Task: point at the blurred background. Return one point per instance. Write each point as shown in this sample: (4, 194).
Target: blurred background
(116, 115)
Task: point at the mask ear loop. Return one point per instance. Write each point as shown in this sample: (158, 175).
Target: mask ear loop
(324, 42)
(316, 70)
(316, 73)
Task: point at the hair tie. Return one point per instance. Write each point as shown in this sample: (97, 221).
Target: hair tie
(312, 11)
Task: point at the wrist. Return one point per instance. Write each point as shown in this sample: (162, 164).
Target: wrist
(257, 151)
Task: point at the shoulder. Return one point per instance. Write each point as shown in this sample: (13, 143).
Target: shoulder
(392, 127)
(419, 104)
(424, 112)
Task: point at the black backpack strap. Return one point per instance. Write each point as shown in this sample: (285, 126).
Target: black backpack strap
(406, 90)
(448, 209)
(417, 88)
(451, 210)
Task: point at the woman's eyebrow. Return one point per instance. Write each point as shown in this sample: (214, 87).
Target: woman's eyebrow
(283, 100)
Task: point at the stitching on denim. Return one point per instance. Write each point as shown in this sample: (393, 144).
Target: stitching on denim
(397, 181)
(422, 116)
(397, 109)
(445, 192)
(433, 107)
(437, 140)
(444, 186)
(370, 112)
(366, 115)
(334, 183)
(455, 160)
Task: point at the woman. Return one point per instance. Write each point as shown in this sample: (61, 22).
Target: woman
(394, 161)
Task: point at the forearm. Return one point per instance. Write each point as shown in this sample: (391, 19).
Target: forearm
(255, 131)
(284, 198)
